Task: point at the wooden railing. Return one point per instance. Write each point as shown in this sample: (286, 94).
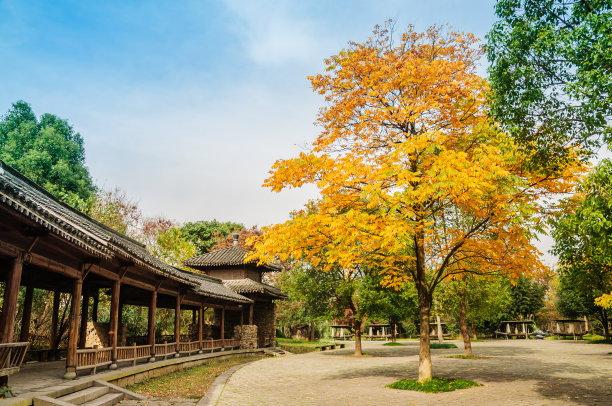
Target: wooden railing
(11, 357)
(133, 353)
(93, 358)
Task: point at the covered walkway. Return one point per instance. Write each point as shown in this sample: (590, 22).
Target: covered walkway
(45, 244)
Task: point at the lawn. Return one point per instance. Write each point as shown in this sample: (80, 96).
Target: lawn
(190, 383)
(444, 345)
(299, 346)
(436, 385)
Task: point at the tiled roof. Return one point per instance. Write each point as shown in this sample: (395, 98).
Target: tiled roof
(231, 256)
(28, 198)
(213, 287)
(251, 286)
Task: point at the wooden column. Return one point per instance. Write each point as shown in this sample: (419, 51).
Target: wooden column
(242, 316)
(201, 323)
(114, 321)
(53, 340)
(94, 308)
(9, 307)
(74, 326)
(251, 313)
(177, 320)
(84, 318)
(152, 311)
(223, 325)
(27, 315)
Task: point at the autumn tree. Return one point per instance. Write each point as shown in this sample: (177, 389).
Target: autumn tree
(414, 179)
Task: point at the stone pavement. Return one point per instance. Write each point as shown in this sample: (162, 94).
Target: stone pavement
(518, 372)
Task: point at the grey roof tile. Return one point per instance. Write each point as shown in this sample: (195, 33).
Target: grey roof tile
(231, 256)
(251, 286)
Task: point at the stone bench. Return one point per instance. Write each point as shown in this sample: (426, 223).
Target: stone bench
(329, 347)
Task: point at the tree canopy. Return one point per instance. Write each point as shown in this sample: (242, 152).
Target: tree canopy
(205, 234)
(414, 179)
(551, 75)
(48, 151)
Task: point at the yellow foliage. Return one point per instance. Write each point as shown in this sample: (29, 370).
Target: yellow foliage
(414, 178)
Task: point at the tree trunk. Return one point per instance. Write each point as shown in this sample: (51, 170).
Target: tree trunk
(467, 345)
(474, 336)
(312, 331)
(424, 349)
(439, 328)
(606, 330)
(393, 337)
(357, 328)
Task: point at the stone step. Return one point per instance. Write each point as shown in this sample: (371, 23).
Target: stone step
(84, 395)
(107, 400)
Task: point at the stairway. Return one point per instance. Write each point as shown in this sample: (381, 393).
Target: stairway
(93, 393)
(276, 351)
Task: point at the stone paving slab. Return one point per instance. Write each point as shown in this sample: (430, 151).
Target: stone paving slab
(518, 372)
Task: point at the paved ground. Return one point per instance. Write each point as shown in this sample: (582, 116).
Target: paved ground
(518, 372)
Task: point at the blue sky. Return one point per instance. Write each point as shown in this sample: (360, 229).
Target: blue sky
(185, 105)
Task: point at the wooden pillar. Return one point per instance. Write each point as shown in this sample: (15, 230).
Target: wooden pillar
(177, 320)
(201, 324)
(152, 311)
(94, 308)
(223, 324)
(114, 322)
(84, 318)
(251, 313)
(9, 307)
(27, 315)
(73, 331)
(53, 339)
(242, 316)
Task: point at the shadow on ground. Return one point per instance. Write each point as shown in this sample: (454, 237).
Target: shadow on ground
(577, 380)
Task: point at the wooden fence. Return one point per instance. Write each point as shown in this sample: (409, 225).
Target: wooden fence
(11, 357)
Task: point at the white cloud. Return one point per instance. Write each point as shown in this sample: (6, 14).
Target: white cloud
(273, 33)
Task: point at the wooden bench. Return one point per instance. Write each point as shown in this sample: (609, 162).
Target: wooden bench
(329, 347)
(11, 357)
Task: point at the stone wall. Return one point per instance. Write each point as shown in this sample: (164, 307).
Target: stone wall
(265, 318)
(97, 334)
(248, 336)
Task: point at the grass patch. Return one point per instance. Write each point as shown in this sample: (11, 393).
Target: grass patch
(191, 383)
(436, 385)
(392, 344)
(461, 356)
(445, 345)
(299, 346)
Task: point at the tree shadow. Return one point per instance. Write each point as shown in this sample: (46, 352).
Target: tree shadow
(575, 382)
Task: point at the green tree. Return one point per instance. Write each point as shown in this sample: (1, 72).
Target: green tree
(526, 298)
(48, 151)
(205, 234)
(582, 239)
(550, 74)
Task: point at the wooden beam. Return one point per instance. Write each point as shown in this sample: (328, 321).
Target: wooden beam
(9, 307)
(26, 315)
(74, 326)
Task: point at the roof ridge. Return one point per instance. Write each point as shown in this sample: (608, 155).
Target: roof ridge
(14, 172)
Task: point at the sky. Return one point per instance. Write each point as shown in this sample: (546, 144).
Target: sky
(185, 105)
